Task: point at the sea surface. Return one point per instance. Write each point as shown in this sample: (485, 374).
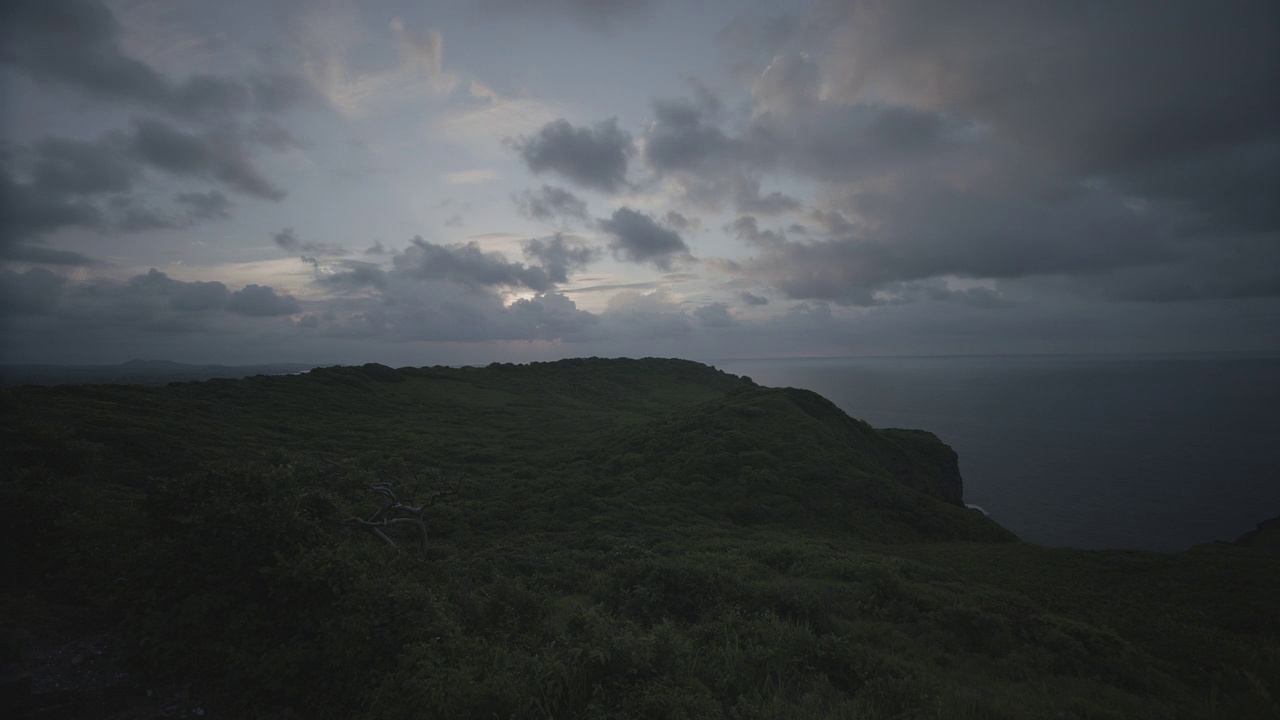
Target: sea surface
(1152, 452)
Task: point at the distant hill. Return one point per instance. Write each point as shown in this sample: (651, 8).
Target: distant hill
(136, 372)
(600, 539)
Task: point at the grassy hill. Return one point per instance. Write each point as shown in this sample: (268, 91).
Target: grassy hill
(631, 538)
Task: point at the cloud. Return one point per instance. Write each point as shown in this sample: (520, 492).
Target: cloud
(637, 238)
(715, 315)
(261, 301)
(59, 183)
(354, 276)
(105, 313)
(75, 167)
(559, 256)
(220, 154)
(1134, 96)
(550, 203)
(33, 292)
(486, 120)
(77, 43)
(928, 229)
(211, 205)
(592, 157)
(331, 33)
(27, 214)
(470, 177)
(747, 199)
(468, 266)
(753, 300)
(1135, 107)
(289, 241)
(26, 252)
(600, 15)
(646, 316)
(684, 136)
(179, 295)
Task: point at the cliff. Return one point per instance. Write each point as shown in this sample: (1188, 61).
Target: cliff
(1265, 536)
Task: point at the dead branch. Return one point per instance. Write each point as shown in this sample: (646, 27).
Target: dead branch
(398, 507)
(325, 460)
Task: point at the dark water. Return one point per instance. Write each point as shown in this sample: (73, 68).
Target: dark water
(1149, 452)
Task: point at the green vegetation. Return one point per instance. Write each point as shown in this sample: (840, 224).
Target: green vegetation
(633, 539)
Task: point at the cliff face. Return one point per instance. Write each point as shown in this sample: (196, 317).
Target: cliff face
(770, 456)
(1265, 536)
(934, 468)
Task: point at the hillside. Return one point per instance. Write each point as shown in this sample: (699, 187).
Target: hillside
(629, 538)
(135, 372)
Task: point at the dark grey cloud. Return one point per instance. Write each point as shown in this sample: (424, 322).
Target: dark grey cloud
(1000, 156)
(599, 15)
(76, 43)
(59, 183)
(33, 292)
(354, 276)
(86, 185)
(276, 93)
(202, 206)
(409, 308)
(32, 253)
(685, 136)
(715, 315)
(220, 154)
(559, 256)
(27, 214)
(551, 203)
(680, 222)
(550, 316)
(752, 299)
(76, 167)
(638, 238)
(262, 301)
(288, 240)
(748, 199)
(930, 229)
(200, 296)
(272, 135)
(456, 293)
(106, 313)
(130, 216)
(1111, 90)
(178, 295)
(592, 157)
(793, 128)
(467, 265)
(376, 249)
(766, 35)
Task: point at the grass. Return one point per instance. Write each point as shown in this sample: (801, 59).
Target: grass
(633, 539)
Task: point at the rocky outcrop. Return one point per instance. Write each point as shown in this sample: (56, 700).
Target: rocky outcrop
(1266, 535)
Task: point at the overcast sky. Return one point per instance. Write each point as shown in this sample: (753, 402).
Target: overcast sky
(442, 181)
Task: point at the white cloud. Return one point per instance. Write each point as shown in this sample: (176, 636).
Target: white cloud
(331, 38)
(470, 177)
(487, 119)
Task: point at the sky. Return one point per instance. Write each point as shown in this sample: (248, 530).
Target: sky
(447, 182)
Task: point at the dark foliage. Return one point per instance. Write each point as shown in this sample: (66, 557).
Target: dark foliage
(636, 538)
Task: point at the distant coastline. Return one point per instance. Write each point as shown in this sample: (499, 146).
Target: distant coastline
(137, 372)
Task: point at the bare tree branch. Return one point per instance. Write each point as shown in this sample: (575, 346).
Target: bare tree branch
(392, 510)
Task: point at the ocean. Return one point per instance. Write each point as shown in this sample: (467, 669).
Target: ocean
(1151, 452)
